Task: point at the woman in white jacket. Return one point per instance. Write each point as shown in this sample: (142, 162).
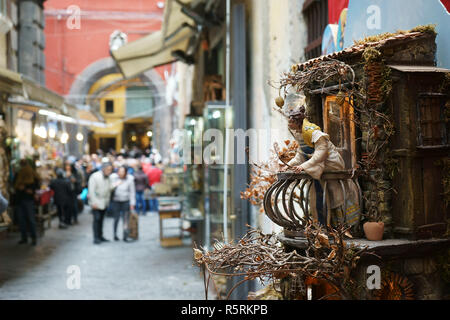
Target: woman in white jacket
(123, 199)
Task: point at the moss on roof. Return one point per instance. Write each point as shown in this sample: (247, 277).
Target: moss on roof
(371, 54)
(429, 28)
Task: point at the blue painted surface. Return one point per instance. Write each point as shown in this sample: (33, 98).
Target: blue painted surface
(341, 30)
(329, 40)
(400, 15)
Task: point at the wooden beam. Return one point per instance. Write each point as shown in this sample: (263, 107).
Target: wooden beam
(316, 43)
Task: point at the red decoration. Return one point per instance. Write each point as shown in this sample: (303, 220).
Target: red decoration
(335, 8)
(446, 4)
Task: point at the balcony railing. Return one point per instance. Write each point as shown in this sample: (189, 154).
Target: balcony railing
(287, 201)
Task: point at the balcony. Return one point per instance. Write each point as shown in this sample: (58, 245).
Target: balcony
(287, 204)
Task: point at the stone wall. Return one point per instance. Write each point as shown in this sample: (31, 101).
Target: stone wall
(276, 40)
(32, 40)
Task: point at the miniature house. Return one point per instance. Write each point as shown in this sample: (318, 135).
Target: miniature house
(414, 165)
(413, 205)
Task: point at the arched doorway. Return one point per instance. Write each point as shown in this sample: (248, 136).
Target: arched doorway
(81, 87)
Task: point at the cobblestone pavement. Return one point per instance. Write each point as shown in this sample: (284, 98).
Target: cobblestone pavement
(112, 270)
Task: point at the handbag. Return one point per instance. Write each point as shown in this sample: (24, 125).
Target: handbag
(133, 225)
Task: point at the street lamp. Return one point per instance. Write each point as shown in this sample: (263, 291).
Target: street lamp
(216, 114)
(51, 133)
(149, 133)
(79, 136)
(64, 137)
(43, 132)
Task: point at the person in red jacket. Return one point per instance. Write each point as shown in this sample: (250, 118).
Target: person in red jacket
(146, 165)
(154, 176)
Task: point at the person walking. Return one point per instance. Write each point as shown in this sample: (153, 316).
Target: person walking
(123, 199)
(154, 176)
(89, 170)
(74, 177)
(140, 183)
(26, 183)
(62, 197)
(99, 189)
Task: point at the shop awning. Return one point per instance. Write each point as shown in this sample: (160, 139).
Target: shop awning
(10, 82)
(36, 92)
(27, 89)
(87, 115)
(36, 98)
(29, 95)
(69, 119)
(81, 115)
(156, 49)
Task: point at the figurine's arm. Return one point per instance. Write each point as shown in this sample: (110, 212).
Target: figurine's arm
(297, 160)
(315, 166)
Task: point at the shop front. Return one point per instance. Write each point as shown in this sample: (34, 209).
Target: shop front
(36, 124)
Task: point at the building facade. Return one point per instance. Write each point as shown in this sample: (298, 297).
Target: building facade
(80, 36)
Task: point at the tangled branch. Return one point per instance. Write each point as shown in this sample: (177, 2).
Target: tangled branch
(261, 256)
(304, 78)
(264, 174)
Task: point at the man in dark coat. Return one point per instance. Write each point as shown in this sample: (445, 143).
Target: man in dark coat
(141, 183)
(71, 173)
(62, 197)
(26, 182)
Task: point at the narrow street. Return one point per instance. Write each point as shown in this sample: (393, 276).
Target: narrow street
(112, 270)
(301, 146)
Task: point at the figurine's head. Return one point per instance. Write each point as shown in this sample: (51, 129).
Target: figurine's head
(296, 119)
(294, 109)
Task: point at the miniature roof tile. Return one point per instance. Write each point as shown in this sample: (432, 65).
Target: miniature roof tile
(359, 48)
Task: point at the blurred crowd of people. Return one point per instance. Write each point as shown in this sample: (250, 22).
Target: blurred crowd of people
(118, 184)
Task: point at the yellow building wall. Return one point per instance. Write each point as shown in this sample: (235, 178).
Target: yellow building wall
(113, 120)
(3, 51)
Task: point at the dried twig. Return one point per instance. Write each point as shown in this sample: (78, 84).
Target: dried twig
(261, 256)
(264, 174)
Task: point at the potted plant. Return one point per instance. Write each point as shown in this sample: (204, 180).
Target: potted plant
(374, 227)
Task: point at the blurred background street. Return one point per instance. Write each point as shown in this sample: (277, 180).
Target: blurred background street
(139, 270)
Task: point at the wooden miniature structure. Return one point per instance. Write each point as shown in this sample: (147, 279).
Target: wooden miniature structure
(384, 104)
(406, 180)
(404, 155)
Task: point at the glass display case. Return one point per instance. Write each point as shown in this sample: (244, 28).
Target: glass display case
(215, 117)
(193, 171)
(193, 205)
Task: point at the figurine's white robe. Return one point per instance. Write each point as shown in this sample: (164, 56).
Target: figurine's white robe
(327, 158)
